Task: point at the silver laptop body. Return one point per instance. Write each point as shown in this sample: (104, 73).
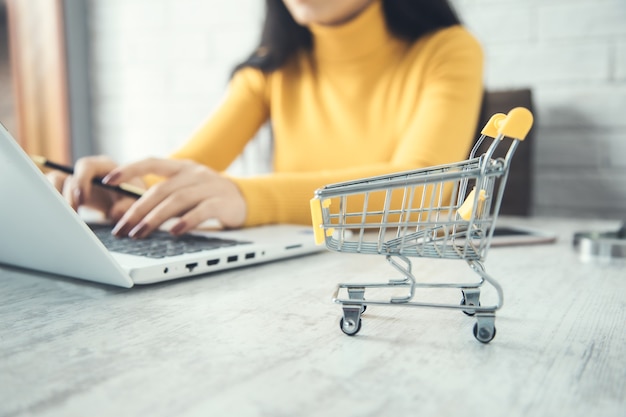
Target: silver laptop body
(40, 231)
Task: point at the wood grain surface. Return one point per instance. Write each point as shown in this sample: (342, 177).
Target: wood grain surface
(265, 341)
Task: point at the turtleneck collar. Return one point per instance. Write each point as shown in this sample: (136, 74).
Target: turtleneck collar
(359, 37)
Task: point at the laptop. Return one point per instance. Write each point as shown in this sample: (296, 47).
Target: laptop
(40, 231)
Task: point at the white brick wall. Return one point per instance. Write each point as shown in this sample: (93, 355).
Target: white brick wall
(160, 67)
(572, 53)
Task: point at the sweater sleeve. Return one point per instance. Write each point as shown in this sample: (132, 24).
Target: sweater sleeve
(444, 121)
(223, 136)
(442, 128)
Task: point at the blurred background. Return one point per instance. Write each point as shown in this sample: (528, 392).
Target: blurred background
(134, 78)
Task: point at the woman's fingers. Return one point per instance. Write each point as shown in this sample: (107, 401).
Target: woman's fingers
(119, 208)
(85, 170)
(195, 193)
(77, 189)
(154, 208)
(63, 183)
(58, 180)
(230, 212)
(162, 167)
(163, 200)
(159, 204)
(225, 204)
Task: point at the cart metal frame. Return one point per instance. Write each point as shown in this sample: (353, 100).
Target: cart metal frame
(444, 212)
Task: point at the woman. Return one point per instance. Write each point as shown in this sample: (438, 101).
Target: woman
(353, 88)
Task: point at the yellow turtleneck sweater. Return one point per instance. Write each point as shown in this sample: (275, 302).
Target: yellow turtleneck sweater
(362, 103)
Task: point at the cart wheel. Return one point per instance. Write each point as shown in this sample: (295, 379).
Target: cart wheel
(468, 312)
(350, 328)
(485, 334)
(363, 308)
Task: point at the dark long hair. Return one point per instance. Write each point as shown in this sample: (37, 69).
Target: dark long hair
(281, 36)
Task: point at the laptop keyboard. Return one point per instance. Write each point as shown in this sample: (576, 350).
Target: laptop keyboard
(159, 244)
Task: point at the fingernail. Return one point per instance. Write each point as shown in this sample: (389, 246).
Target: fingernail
(111, 177)
(178, 228)
(139, 231)
(121, 229)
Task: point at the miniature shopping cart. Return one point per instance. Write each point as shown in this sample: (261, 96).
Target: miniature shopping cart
(444, 212)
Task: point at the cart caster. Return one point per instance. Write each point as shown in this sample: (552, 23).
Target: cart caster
(485, 329)
(468, 312)
(349, 327)
(357, 294)
(350, 323)
(470, 298)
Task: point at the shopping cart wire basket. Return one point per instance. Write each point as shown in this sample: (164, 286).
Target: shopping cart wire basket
(444, 212)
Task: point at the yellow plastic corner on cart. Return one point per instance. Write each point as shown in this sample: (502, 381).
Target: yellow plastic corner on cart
(465, 211)
(316, 217)
(493, 125)
(517, 123)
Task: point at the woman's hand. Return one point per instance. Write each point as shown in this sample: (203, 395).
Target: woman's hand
(191, 191)
(79, 190)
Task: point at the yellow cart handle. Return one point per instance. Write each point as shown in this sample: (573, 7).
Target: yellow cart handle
(492, 126)
(318, 219)
(515, 124)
